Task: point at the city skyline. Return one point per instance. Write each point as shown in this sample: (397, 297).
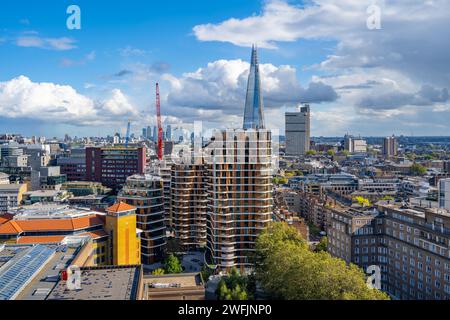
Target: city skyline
(83, 82)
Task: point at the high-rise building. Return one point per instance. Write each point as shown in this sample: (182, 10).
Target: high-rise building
(169, 133)
(113, 165)
(298, 132)
(253, 113)
(146, 193)
(166, 174)
(155, 134)
(240, 196)
(124, 236)
(444, 194)
(144, 133)
(390, 147)
(189, 204)
(239, 174)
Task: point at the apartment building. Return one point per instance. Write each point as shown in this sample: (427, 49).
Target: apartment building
(240, 195)
(146, 193)
(189, 204)
(410, 245)
(418, 259)
(353, 235)
(390, 147)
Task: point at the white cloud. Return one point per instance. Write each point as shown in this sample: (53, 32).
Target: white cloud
(59, 44)
(66, 62)
(387, 79)
(22, 98)
(131, 51)
(222, 84)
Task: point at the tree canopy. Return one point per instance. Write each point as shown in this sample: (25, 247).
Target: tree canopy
(158, 272)
(173, 265)
(418, 169)
(322, 245)
(233, 286)
(287, 269)
(363, 202)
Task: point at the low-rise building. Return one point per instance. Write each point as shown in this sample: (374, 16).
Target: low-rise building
(45, 196)
(103, 283)
(11, 196)
(186, 286)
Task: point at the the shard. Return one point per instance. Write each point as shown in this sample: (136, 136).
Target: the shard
(253, 113)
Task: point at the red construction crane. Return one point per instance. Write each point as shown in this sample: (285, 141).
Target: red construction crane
(160, 129)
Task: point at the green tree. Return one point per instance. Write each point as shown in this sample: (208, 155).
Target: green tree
(158, 272)
(311, 152)
(331, 152)
(363, 202)
(287, 269)
(173, 265)
(322, 245)
(233, 286)
(289, 174)
(418, 170)
(275, 180)
(283, 180)
(346, 153)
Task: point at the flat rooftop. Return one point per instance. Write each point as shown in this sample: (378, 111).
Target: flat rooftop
(102, 283)
(29, 272)
(182, 280)
(53, 211)
(10, 187)
(20, 266)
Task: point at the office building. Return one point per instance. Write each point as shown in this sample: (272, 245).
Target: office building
(146, 193)
(144, 133)
(254, 107)
(47, 178)
(298, 132)
(169, 133)
(73, 165)
(111, 166)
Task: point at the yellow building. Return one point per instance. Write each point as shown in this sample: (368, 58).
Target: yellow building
(124, 237)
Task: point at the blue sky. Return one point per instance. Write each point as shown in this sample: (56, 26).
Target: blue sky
(199, 51)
